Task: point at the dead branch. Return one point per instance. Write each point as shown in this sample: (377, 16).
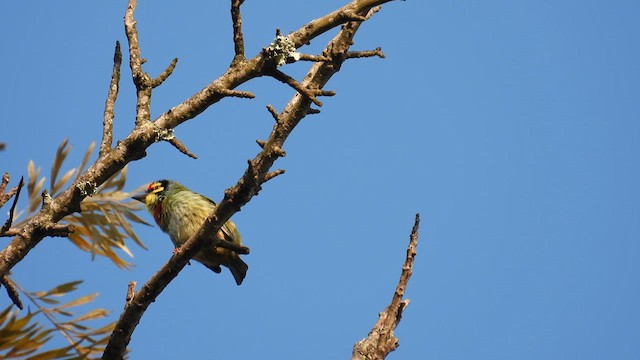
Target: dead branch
(16, 191)
(273, 112)
(286, 79)
(180, 146)
(307, 57)
(365, 53)
(110, 103)
(165, 74)
(238, 37)
(12, 292)
(131, 291)
(381, 340)
(3, 186)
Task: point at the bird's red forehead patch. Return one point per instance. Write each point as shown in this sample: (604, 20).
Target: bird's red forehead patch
(154, 186)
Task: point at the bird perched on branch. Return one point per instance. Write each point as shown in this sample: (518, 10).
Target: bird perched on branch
(180, 212)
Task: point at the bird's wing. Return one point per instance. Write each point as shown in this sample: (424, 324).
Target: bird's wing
(229, 229)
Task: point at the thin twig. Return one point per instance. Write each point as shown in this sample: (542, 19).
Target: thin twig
(11, 232)
(12, 292)
(9, 221)
(236, 93)
(307, 57)
(273, 112)
(286, 79)
(110, 103)
(381, 340)
(366, 53)
(181, 147)
(273, 174)
(3, 186)
(239, 249)
(238, 38)
(141, 79)
(131, 291)
(131, 30)
(165, 74)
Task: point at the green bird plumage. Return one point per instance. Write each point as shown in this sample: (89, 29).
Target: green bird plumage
(180, 212)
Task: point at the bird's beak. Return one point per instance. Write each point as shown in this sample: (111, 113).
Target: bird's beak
(140, 197)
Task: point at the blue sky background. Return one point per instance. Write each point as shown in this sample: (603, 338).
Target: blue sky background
(511, 127)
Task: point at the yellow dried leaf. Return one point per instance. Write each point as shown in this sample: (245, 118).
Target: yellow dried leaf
(79, 301)
(93, 314)
(64, 288)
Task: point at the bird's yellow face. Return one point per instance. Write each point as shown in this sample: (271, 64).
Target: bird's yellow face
(154, 194)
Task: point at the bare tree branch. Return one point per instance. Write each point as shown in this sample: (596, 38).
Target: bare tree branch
(365, 53)
(238, 37)
(235, 93)
(12, 292)
(307, 57)
(110, 103)
(16, 191)
(180, 146)
(271, 175)
(381, 340)
(286, 79)
(131, 291)
(3, 186)
(273, 113)
(141, 79)
(165, 74)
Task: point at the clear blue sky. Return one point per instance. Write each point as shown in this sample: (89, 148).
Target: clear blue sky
(512, 127)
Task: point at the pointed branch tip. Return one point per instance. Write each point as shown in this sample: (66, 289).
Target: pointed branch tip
(181, 147)
(16, 190)
(273, 174)
(165, 74)
(286, 79)
(274, 113)
(12, 291)
(110, 102)
(235, 93)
